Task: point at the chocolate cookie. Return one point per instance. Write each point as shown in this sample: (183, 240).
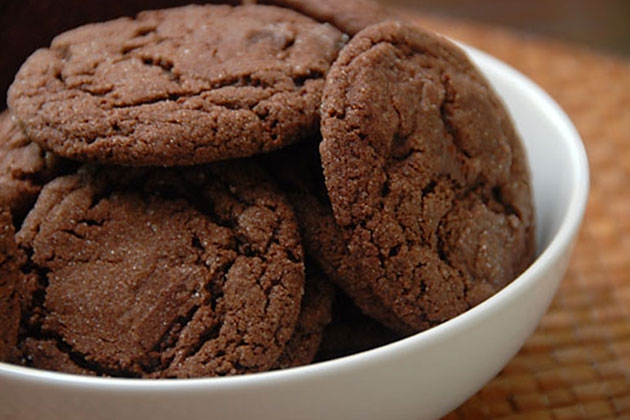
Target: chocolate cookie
(24, 168)
(315, 315)
(9, 274)
(178, 86)
(426, 175)
(160, 273)
(349, 16)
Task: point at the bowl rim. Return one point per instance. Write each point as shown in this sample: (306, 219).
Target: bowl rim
(558, 243)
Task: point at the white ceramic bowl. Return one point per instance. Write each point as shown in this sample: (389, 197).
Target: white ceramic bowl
(423, 376)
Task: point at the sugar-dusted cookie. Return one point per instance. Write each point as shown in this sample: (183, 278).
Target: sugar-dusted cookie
(426, 175)
(177, 86)
(160, 273)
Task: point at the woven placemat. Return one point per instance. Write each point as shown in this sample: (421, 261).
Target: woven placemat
(577, 363)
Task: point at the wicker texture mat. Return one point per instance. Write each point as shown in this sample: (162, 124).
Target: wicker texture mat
(577, 363)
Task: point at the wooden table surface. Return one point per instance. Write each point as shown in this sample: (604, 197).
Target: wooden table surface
(577, 363)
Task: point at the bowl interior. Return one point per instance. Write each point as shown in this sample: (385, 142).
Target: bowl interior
(419, 364)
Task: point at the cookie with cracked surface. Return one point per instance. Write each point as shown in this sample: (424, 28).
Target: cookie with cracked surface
(178, 86)
(160, 273)
(349, 16)
(24, 168)
(426, 174)
(10, 260)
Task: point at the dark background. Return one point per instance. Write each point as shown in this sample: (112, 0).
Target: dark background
(599, 24)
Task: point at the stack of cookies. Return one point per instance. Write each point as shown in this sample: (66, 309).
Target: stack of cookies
(213, 190)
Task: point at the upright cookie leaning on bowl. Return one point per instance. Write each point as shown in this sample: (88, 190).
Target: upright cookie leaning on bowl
(426, 175)
(187, 114)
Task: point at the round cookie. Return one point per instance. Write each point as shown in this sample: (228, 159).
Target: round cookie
(160, 273)
(349, 16)
(178, 86)
(426, 175)
(24, 168)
